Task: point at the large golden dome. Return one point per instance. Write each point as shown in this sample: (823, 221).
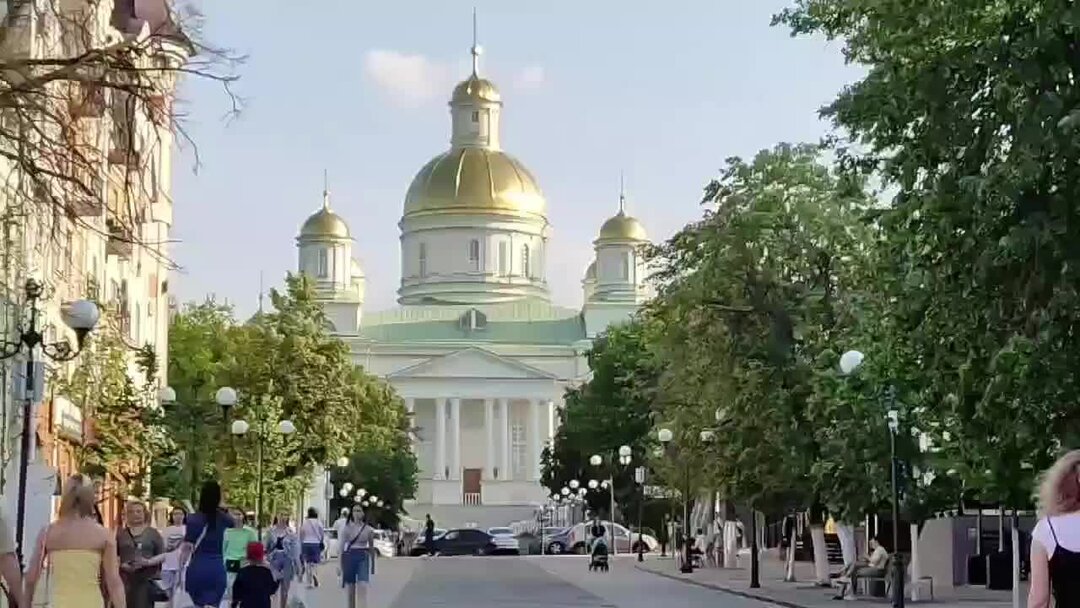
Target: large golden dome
(477, 180)
(622, 227)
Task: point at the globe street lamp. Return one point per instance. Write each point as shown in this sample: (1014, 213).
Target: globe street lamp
(666, 438)
(639, 479)
(850, 361)
(240, 428)
(593, 484)
(81, 316)
(225, 397)
(343, 462)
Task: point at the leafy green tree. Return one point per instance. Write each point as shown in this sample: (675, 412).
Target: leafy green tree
(969, 114)
(389, 474)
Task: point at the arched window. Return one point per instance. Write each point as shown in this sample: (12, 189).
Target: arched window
(625, 269)
(503, 259)
(423, 259)
(525, 266)
(323, 270)
(474, 254)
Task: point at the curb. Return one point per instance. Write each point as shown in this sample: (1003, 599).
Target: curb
(714, 587)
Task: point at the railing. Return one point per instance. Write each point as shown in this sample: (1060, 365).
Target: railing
(471, 499)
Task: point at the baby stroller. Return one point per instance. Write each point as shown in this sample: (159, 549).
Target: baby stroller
(598, 559)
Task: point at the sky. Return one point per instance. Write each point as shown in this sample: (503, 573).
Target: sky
(660, 92)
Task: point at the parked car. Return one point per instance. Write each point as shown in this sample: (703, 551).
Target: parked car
(330, 539)
(575, 539)
(465, 541)
(383, 544)
(505, 541)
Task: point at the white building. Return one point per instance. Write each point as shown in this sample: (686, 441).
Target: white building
(476, 348)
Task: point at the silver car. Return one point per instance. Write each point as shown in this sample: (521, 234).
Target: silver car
(505, 541)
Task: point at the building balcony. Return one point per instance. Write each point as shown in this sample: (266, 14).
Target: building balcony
(87, 100)
(82, 205)
(120, 241)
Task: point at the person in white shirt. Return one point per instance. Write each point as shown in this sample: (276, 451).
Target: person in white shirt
(312, 543)
(173, 535)
(873, 567)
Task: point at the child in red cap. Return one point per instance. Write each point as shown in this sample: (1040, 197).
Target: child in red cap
(255, 583)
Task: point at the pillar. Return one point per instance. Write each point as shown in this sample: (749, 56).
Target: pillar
(440, 439)
(455, 438)
(506, 471)
(550, 422)
(489, 429)
(534, 439)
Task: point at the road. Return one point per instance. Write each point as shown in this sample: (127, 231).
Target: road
(522, 582)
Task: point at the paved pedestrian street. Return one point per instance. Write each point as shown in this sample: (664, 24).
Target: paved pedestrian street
(522, 582)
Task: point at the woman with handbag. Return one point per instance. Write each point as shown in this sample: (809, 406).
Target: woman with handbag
(201, 552)
(283, 552)
(141, 551)
(357, 559)
(81, 554)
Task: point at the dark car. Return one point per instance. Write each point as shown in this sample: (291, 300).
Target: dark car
(465, 541)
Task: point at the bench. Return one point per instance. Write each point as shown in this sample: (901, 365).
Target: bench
(886, 581)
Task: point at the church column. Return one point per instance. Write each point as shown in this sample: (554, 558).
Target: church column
(455, 438)
(410, 409)
(534, 438)
(505, 470)
(489, 429)
(440, 439)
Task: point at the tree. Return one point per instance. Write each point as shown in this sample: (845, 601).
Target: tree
(613, 408)
(969, 111)
(751, 298)
(389, 474)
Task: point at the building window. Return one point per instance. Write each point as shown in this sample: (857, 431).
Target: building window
(474, 254)
(423, 259)
(476, 116)
(525, 265)
(324, 264)
(517, 451)
(503, 259)
(625, 270)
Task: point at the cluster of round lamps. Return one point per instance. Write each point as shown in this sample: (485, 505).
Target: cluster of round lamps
(361, 497)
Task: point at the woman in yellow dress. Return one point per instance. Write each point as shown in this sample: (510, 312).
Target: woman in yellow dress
(80, 552)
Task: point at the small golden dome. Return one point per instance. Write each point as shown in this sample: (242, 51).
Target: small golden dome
(622, 227)
(324, 223)
(475, 89)
(471, 179)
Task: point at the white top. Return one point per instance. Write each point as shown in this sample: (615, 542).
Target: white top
(356, 536)
(878, 557)
(1066, 528)
(173, 536)
(311, 532)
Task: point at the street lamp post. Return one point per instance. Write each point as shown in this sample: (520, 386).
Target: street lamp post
(622, 456)
(81, 316)
(225, 397)
(849, 362)
(639, 477)
(240, 428)
(666, 436)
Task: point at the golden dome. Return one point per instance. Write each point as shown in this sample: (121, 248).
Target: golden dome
(622, 227)
(475, 89)
(472, 179)
(324, 223)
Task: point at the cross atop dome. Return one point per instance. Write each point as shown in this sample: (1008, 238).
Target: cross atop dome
(476, 49)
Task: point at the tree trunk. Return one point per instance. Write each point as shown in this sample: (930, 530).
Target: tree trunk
(846, 532)
(915, 570)
(731, 544)
(821, 554)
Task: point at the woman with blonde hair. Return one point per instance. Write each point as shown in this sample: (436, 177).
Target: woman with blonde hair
(79, 550)
(1055, 544)
(282, 546)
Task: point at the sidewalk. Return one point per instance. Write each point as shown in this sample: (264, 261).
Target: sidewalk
(805, 594)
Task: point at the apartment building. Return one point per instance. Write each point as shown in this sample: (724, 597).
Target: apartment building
(85, 207)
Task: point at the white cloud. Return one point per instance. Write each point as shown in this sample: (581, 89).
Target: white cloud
(530, 78)
(409, 79)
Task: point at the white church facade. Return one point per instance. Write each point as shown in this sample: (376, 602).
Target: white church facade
(476, 348)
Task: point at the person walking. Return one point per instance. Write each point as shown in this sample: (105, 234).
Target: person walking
(312, 544)
(141, 551)
(255, 584)
(283, 552)
(173, 535)
(234, 549)
(201, 552)
(429, 535)
(1055, 541)
(357, 561)
(81, 554)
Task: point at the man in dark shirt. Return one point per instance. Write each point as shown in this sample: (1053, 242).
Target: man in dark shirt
(429, 535)
(255, 583)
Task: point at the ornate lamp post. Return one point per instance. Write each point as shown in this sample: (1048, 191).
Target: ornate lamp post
(81, 316)
(622, 456)
(240, 428)
(849, 362)
(639, 478)
(225, 397)
(666, 436)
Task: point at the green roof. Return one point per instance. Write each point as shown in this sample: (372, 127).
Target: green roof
(525, 322)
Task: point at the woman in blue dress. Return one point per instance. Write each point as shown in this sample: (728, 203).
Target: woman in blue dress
(204, 577)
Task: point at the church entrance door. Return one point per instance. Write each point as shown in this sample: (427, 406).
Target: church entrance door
(470, 486)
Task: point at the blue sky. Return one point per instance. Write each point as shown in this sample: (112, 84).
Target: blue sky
(661, 91)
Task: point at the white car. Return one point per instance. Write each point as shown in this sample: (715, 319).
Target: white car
(383, 544)
(330, 539)
(504, 540)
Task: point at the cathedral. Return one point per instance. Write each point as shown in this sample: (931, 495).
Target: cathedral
(475, 347)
